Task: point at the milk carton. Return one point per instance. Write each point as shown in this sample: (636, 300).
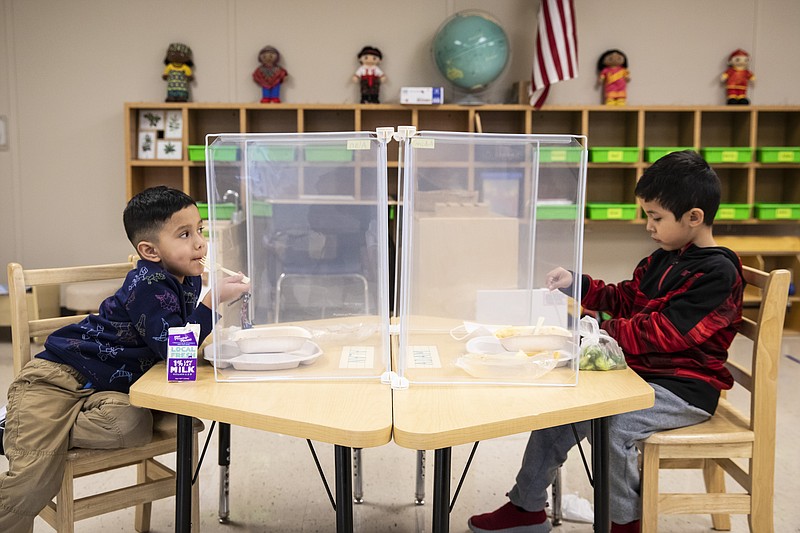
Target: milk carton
(182, 353)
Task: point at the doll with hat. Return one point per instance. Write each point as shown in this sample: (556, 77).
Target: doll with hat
(613, 75)
(736, 77)
(178, 72)
(269, 75)
(369, 74)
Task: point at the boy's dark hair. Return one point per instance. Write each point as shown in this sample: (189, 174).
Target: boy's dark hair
(147, 211)
(681, 181)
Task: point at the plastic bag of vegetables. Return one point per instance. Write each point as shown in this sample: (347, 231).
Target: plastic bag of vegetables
(598, 350)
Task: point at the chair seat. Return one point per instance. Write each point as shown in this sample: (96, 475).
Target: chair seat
(165, 431)
(727, 426)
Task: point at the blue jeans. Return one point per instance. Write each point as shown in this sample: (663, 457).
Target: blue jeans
(547, 450)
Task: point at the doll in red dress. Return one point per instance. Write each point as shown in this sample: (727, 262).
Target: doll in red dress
(613, 74)
(269, 75)
(737, 77)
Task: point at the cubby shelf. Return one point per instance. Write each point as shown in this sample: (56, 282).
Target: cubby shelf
(734, 129)
(743, 128)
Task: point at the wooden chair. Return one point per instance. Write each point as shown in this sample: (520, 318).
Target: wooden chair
(729, 435)
(154, 480)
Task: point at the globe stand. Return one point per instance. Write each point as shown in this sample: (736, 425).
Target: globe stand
(473, 98)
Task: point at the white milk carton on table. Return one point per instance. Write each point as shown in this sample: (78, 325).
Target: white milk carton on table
(182, 353)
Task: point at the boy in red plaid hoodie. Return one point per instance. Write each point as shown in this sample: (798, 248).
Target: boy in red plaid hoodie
(675, 320)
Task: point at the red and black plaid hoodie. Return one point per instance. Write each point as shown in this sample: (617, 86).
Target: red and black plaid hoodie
(676, 319)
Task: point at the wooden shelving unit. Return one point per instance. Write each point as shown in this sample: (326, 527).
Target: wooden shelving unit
(748, 127)
(640, 127)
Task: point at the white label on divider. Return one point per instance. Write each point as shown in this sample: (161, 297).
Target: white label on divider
(357, 357)
(423, 357)
(358, 144)
(419, 142)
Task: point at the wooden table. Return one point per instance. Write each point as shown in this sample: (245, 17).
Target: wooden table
(463, 414)
(347, 414)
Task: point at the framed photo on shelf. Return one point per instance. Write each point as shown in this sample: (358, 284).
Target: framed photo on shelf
(169, 149)
(146, 147)
(173, 124)
(151, 119)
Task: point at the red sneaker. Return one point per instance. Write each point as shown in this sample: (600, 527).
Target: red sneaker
(630, 527)
(510, 519)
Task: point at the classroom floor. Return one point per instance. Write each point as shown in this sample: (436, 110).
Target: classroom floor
(275, 487)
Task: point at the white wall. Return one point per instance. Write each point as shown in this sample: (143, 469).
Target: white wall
(67, 67)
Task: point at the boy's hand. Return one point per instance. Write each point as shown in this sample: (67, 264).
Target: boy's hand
(558, 278)
(229, 288)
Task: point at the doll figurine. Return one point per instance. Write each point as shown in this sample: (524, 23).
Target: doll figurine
(613, 74)
(269, 75)
(178, 72)
(369, 74)
(737, 77)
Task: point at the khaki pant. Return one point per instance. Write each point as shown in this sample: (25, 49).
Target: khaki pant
(49, 412)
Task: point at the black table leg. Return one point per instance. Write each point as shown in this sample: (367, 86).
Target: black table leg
(441, 490)
(224, 462)
(344, 489)
(183, 483)
(602, 518)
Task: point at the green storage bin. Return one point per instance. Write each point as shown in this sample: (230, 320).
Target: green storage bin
(654, 153)
(765, 211)
(611, 211)
(197, 152)
(557, 212)
(613, 154)
(568, 154)
(778, 154)
(271, 153)
(733, 212)
(225, 153)
(261, 209)
(727, 154)
(328, 154)
(222, 211)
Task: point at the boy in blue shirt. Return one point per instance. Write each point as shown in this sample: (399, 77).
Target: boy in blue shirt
(75, 392)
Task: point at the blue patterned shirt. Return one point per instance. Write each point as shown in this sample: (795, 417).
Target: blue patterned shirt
(115, 347)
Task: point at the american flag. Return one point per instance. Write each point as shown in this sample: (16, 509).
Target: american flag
(555, 56)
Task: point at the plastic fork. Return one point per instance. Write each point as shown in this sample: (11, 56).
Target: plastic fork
(204, 262)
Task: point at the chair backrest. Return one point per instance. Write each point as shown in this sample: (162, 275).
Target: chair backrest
(766, 332)
(25, 322)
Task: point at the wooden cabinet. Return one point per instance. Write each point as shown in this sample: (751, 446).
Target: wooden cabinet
(746, 128)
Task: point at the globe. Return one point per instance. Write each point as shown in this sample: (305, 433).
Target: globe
(471, 50)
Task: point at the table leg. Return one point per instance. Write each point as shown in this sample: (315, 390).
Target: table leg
(602, 518)
(556, 491)
(441, 490)
(224, 462)
(344, 489)
(419, 493)
(183, 482)
(358, 477)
